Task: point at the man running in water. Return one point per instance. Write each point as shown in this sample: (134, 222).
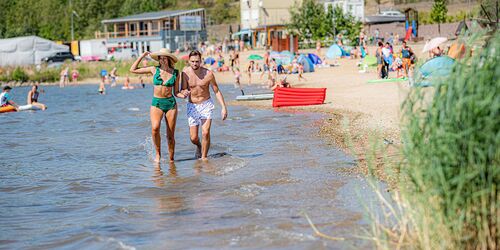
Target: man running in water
(197, 81)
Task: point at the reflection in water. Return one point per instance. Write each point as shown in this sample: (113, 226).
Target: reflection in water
(172, 201)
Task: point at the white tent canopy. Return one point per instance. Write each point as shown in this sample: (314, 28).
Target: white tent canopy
(27, 50)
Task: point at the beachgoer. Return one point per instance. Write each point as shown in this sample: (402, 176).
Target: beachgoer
(265, 64)
(166, 86)
(74, 76)
(237, 58)
(281, 84)
(377, 35)
(237, 76)
(33, 98)
(6, 99)
(406, 54)
(301, 71)
(126, 84)
(249, 71)
(113, 77)
(380, 60)
(318, 48)
(64, 80)
(387, 54)
(197, 81)
(102, 88)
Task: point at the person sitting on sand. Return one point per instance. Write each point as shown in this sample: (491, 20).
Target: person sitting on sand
(33, 98)
(6, 99)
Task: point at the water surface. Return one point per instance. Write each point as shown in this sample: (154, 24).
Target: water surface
(79, 175)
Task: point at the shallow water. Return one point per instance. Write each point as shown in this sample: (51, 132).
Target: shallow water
(79, 175)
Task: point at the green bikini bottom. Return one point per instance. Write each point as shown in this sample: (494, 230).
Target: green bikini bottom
(165, 104)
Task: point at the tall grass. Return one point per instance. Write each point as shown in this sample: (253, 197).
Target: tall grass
(448, 179)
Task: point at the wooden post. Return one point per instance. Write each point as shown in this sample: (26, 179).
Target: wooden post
(114, 27)
(149, 28)
(126, 29)
(175, 24)
(159, 26)
(137, 28)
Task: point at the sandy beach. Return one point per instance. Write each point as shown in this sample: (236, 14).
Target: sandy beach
(357, 112)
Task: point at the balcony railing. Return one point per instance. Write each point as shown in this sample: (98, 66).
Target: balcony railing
(123, 34)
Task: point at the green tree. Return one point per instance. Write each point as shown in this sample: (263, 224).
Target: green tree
(346, 24)
(310, 21)
(439, 12)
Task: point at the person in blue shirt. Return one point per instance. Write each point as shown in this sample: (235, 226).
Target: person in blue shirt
(6, 99)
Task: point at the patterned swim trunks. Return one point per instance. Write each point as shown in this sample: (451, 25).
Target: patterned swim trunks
(199, 111)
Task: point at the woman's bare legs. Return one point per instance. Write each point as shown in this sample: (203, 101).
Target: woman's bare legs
(156, 116)
(171, 118)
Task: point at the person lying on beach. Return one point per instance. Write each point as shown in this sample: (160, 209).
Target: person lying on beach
(281, 84)
(6, 98)
(33, 98)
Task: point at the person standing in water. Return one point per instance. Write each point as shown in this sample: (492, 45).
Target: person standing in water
(33, 98)
(113, 77)
(197, 81)
(166, 87)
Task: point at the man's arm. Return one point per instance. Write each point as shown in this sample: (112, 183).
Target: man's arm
(219, 96)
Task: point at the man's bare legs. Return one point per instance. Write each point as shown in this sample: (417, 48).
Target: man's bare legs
(171, 118)
(204, 146)
(156, 116)
(193, 133)
(205, 135)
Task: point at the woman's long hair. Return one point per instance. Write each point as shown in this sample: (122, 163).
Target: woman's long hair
(170, 63)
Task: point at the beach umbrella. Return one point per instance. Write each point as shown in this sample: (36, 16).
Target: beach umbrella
(255, 57)
(308, 64)
(334, 51)
(434, 43)
(437, 66)
(314, 58)
(209, 60)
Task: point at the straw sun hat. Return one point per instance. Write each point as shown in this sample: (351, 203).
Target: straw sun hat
(163, 52)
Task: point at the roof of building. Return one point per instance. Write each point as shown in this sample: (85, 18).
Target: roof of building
(150, 15)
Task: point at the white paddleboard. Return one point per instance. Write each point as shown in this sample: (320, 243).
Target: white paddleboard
(28, 107)
(258, 97)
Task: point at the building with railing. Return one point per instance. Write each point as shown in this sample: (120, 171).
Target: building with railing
(171, 29)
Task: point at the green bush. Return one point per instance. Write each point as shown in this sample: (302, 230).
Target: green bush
(19, 75)
(46, 75)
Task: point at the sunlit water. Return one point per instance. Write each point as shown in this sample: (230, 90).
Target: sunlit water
(79, 175)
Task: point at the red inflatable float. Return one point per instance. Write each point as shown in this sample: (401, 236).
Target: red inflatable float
(298, 96)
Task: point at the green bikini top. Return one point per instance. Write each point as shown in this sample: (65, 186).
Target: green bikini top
(157, 80)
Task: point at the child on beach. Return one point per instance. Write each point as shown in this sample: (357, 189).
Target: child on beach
(301, 71)
(249, 71)
(237, 76)
(102, 89)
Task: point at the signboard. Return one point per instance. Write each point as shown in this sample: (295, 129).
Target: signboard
(190, 23)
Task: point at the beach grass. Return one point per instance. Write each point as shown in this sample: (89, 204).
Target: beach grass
(447, 180)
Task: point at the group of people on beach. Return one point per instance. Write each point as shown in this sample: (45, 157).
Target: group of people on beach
(195, 83)
(388, 59)
(64, 77)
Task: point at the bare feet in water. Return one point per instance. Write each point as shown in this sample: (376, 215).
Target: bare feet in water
(157, 158)
(197, 155)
